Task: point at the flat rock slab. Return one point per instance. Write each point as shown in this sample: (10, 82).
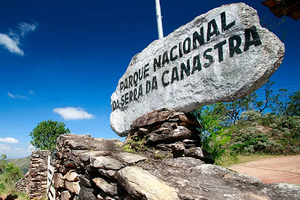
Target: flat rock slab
(220, 56)
(272, 170)
(143, 185)
(103, 162)
(130, 158)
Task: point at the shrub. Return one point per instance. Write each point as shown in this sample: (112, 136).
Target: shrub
(135, 145)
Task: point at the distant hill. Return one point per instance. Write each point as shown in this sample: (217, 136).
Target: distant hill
(23, 163)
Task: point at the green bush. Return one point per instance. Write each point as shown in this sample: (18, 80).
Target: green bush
(253, 142)
(9, 175)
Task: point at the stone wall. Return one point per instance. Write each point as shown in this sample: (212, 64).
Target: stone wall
(35, 181)
(89, 168)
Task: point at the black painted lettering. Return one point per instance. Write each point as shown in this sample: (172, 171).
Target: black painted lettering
(130, 96)
(122, 100)
(186, 69)
(225, 27)
(196, 64)
(126, 98)
(135, 94)
(154, 83)
(135, 78)
(180, 50)
(148, 86)
(141, 74)
(157, 64)
(165, 59)
(121, 86)
(114, 105)
(255, 38)
(140, 91)
(198, 38)
(146, 70)
(212, 29)
(187, 45)
(175, 76)
(163, 78)
(208, 57)
(234, 45)
(130, 81)
(219, 46)
(172, 58)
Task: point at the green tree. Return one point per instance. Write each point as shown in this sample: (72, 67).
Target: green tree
(212, 133)
(13, 173)
(294, 104)
(281, 103)
(2, 163)
(229, 113)
(286, 104)
(44, 135)
(267, 102)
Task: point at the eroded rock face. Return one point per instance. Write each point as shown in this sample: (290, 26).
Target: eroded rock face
(140, 176)
(220, 56)
(281, 190)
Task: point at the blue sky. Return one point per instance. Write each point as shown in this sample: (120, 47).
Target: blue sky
(62, 59)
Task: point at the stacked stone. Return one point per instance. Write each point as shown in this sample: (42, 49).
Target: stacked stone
(34, 184)
(88, 168)
(173, 133)
(22, 184)
(38, 174)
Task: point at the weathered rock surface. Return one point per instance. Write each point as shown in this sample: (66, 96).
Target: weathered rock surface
(281, 190)
(106, 186)
(65, 195)
(185, 178)
(73, 187)
(142, 185)
(220, 56)
(59, 180)
(106, 163)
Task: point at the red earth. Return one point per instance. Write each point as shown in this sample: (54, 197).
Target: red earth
(272, 170)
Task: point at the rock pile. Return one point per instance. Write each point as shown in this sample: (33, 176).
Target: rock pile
(88, 168)
(174, 133)
(35, 181)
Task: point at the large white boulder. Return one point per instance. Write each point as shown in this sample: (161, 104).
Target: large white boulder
(220, 56)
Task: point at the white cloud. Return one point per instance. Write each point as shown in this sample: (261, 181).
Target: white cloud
(4, 147)
(18, 149)
(9, 140)
(31, 92)
(70, 113)
(26, 28)
(17, 96)
(10, 44)
(11, 40)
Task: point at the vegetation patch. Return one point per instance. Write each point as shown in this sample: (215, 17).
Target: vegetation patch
(9, 175)
(135, 145)
(248, 127)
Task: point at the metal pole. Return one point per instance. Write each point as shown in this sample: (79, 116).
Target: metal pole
(159, 21)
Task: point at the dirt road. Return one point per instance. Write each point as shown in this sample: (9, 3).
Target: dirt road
(272, 170)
